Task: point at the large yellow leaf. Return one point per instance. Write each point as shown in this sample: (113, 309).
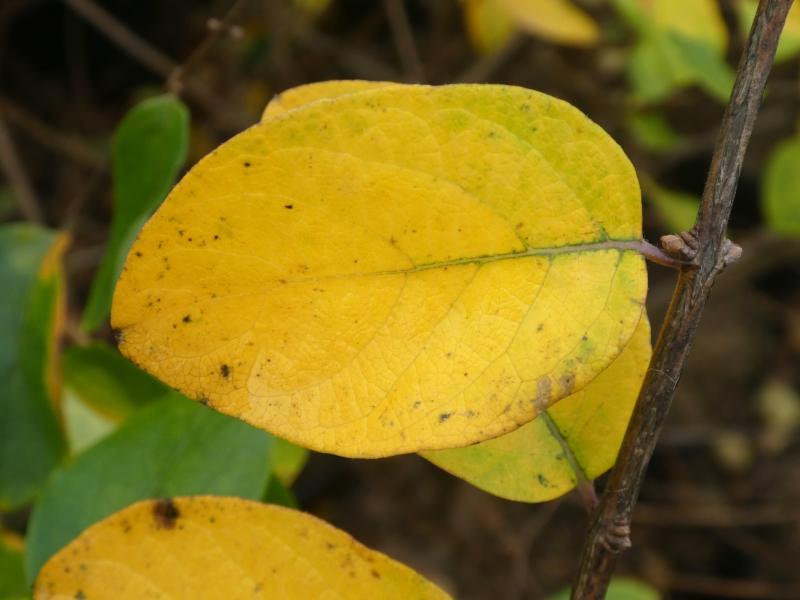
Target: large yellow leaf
(575, 440)
(303, 94)
(223, 548)
(402, 269)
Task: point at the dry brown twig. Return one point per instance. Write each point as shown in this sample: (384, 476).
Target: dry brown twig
(17, 177)
(709, 252)
(404, 40)
(161, 64)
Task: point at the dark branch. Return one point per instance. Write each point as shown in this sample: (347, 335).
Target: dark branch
(607, 534)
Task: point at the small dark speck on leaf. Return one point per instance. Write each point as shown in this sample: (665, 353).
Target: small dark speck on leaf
(246, 163)
(375, 574)
(79, 595)
(216, 237)
(444, 416)
(186, 319)
(289, 206)
(543, 480)
(139, 254)
(165, 513)
(225, 371)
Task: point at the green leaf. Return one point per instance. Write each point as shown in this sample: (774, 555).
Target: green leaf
(677, 210)
(83, 425)
(780, 195)
(107, 382)
(278, 493)
(148, 150)
(31, 441)
(12, 576)
(667, 61)
(680, 44)
(288, 460)
(171, 447)
(101, 389)
(621, 588)
(653, 131)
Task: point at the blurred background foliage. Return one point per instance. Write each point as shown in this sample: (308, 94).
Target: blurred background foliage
(103, 104)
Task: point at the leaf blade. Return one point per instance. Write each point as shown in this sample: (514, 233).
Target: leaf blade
(575, 440)
(304, 557)
(171, 447)
(31, 440)
(477, 241)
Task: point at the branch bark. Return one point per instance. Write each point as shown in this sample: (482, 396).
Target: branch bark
(710, 251)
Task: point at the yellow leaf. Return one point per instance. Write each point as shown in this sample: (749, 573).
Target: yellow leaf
(558, 21)
(575, 440)
(223, 548)
(304, 94)
(489, 26)
(402, 269)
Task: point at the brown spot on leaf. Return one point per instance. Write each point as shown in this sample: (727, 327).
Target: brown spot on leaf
(444, 416)
(288, 206)
(165, 513)
(543, 387)
(186, 319)
(225, 370)
(567, 383)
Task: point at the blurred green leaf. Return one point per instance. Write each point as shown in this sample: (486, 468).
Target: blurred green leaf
(621, 588)
(172, 447)
(101, 389)
(83, 425)
(7, 202)
(278, 493)
(780, 193)
(12, 576)
(653, 131)
(288, 460)
(31, 441)
(108, 382)
(148, 150)
(668, 58)
(677, 210)
(668, 61)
